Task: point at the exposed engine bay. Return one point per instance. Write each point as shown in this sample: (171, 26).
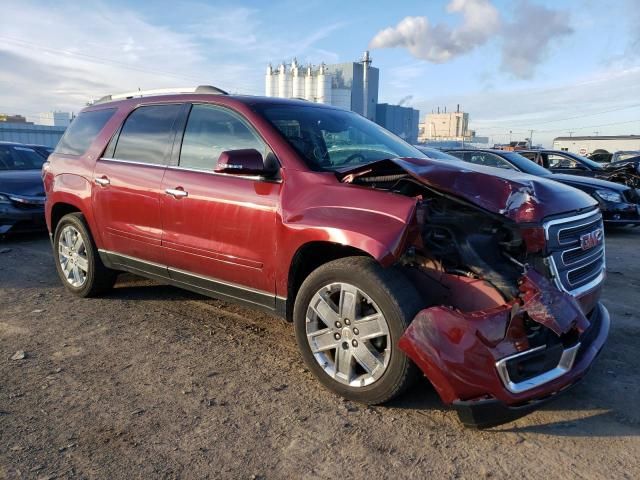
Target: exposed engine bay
(481, 263)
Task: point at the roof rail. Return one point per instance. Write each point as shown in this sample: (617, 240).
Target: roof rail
(209, 89)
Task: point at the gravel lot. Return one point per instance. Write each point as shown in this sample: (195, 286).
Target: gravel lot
(155, 382)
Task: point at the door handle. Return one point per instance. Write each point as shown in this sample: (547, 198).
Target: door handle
(102, 181)
(176, 192)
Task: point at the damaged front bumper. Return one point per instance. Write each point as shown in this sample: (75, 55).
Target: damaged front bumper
(484, 363)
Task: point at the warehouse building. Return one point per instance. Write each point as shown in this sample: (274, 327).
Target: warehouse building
(588, 144)
(445, 126)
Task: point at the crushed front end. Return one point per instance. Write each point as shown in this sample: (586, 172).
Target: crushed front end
(517, 318)
(512, 289)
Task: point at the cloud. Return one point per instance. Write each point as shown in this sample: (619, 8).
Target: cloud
(61, 57)
(440, 43)
(525, 38)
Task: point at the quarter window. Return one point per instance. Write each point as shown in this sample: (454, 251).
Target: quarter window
(147, 134)
(212, 130)
(83, 131)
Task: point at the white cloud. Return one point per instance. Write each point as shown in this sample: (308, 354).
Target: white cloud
(525, 38)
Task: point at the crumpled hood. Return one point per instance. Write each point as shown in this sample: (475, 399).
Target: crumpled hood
(22, 182)
(518, 196)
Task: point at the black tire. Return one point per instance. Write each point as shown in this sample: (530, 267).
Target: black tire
(397, 299)
(99, 278)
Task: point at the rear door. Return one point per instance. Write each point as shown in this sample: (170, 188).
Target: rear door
(219, 230)
(127, 185)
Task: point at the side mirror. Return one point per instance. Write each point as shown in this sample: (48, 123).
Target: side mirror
(241, 162)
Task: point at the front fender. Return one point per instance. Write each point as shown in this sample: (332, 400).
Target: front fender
(377, 223)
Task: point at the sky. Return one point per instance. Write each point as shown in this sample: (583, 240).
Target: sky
(552, 66)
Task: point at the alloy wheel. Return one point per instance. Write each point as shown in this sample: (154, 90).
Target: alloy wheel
(348, 335)
(72, 255)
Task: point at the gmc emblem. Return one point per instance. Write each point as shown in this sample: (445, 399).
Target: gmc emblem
(591, 239)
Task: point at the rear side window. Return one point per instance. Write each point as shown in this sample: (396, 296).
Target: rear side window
(211, 131)
(147, 134)
(83, 131)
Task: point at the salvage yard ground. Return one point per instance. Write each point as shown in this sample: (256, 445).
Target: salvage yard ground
(155, 382)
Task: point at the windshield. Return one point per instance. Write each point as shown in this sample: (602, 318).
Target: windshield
(331, 139)
(525, 165)
(19, 158)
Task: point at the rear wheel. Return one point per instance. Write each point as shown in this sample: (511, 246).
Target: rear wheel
(77, 261)
(349, 315)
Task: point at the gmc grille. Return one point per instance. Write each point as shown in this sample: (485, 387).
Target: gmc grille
(576, 263)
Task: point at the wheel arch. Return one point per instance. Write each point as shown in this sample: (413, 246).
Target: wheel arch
(309, 257)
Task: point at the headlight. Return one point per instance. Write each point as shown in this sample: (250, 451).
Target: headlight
(609, 196)
(4, 198)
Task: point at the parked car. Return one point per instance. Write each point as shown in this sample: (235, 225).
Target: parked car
(558, 161)
(21, 189)
(385, 261)
(620, 204)
(605, 157)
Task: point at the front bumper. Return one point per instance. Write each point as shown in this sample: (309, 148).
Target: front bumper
(462, 354)
(489, 412)
(21, 218)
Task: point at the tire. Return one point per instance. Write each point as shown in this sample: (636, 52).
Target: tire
(78, 264)
(337, 362)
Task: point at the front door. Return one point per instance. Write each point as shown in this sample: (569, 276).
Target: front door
(219, 231)
(128, 180)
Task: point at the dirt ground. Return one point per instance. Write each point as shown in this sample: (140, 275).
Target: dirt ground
(155, 382)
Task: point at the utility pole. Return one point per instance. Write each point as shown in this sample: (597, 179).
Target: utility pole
(531, 139)
(571, 134)
(596, 133)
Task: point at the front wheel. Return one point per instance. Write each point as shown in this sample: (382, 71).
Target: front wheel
(77, 260)
(348, 316)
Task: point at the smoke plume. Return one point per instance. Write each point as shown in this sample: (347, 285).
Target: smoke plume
(525, 38)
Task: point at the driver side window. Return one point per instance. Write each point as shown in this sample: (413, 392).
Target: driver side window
(212, 130)
(559, 161)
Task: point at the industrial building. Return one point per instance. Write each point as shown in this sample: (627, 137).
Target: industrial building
(352, 86)
(53, 119)
(588, 144)
(29, 133)
(446, 126)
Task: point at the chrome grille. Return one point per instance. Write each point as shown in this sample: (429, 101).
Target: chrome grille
(575, 269)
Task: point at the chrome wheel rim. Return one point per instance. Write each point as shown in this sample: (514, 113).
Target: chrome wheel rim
(72, 255)
(348, 335)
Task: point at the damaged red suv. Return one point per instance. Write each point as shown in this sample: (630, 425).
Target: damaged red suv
(387, 262)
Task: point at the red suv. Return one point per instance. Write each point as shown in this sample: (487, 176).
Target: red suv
(386, 261)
